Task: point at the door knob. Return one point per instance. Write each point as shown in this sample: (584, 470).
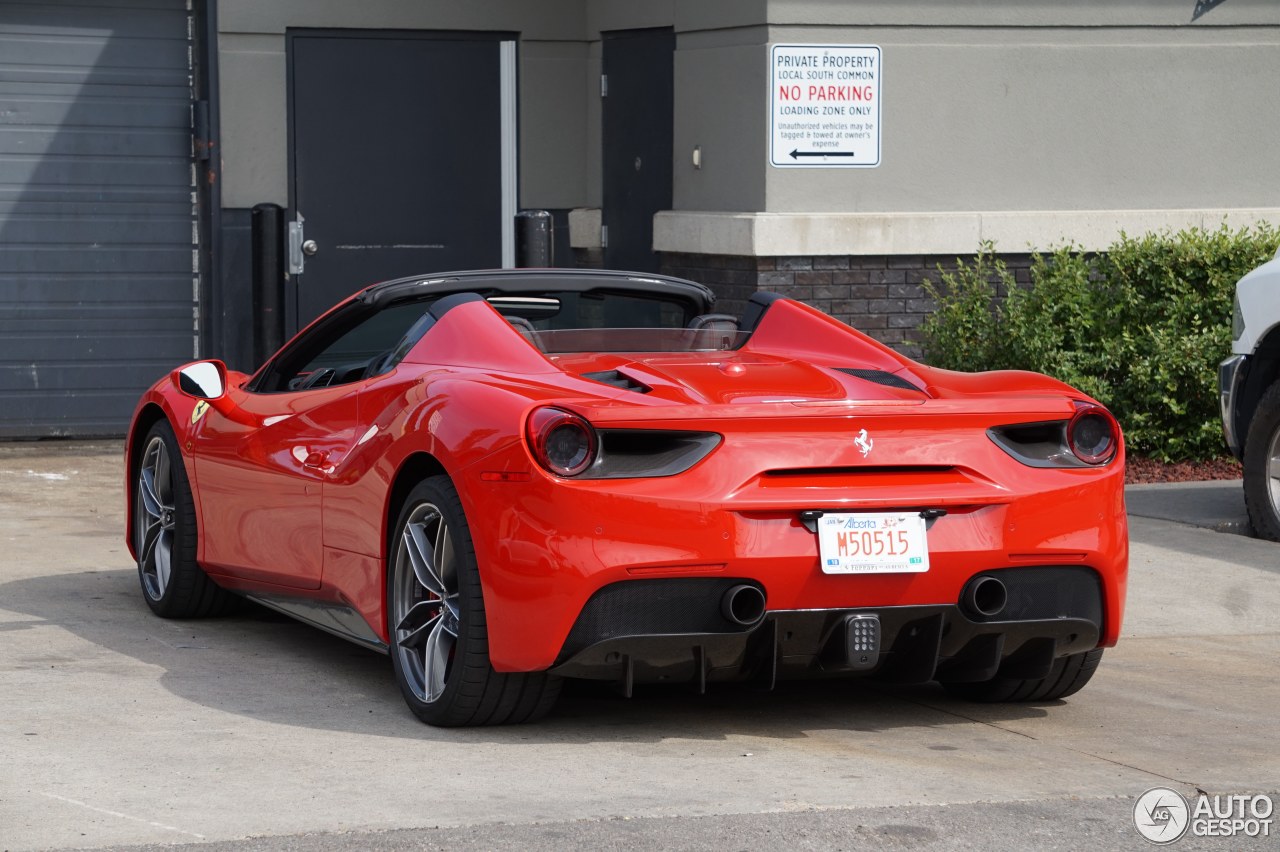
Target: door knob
(309, 247)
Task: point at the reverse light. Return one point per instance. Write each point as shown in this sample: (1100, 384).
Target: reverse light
(1093, 435)
(562, 442)
(505, 476)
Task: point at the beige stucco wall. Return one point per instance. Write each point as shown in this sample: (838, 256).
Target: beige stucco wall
(1028, 123)
(1058, 118)
(1027, 120)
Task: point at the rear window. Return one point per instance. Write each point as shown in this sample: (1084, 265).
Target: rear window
(596, 309)
(561, 341)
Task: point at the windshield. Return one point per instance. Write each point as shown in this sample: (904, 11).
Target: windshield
(556, 341)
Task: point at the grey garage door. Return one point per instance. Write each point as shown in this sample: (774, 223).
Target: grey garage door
(97, 228)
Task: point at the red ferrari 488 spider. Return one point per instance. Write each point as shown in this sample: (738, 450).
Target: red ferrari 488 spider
(506, 478)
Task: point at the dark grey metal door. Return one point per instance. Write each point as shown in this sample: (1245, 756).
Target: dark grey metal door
(98, 286)
(637, 128)
(402, 158)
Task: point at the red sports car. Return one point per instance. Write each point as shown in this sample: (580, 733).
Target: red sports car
(507, 478)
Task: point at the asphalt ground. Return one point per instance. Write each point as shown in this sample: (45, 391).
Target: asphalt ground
(121, 730)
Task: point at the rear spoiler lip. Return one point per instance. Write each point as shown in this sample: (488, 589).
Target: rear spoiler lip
(992, 412)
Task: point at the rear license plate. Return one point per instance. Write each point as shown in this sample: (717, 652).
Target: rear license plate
(873, 543)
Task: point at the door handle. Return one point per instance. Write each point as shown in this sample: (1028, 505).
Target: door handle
(295, 241)
(316, 461)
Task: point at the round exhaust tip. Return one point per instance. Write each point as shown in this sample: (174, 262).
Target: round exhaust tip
(743, 605)
(985, 597)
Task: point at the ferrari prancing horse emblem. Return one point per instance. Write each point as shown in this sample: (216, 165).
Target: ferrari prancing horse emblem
(202, 407)
(864, 443)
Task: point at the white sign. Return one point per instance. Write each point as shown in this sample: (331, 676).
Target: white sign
(824, 106)
(873, 543)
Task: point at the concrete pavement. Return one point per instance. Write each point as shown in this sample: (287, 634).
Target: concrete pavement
(118, 729)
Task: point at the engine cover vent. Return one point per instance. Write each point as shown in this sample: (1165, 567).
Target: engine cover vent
(617, 380)
(880, 377)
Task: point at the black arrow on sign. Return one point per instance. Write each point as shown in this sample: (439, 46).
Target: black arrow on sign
(1203, 6)
(798, 153)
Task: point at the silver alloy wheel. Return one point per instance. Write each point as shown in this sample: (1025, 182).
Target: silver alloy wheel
(425, 602)
(1273, 472)
(155, 518)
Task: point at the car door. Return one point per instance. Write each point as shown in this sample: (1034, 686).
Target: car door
(262, 469)
(261, 476)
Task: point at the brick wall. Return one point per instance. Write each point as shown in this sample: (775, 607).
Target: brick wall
(880, 295)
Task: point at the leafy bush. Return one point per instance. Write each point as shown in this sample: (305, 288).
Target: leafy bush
(1141, 327)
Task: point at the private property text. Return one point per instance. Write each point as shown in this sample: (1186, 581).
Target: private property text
(825, 105)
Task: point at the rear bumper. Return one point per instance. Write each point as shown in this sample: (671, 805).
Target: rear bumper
(673, 630)
(546, 546)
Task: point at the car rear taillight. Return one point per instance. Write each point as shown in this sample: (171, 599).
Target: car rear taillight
(1093, 435)
(561, 441)
(1090, 438)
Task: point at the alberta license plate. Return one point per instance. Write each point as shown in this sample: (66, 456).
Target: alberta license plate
(872, 543)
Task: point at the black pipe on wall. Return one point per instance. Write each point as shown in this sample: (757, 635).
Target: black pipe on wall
(534, 239)
(268, 280)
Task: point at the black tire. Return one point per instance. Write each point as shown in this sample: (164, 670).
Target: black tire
(165, 534)
(436, 622)
(1262, 443)
(1067, 677)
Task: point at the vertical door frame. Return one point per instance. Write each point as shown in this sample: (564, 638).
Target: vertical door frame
(509, 104)
(208, 177)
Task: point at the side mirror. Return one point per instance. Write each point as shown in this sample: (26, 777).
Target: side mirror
(205, 380)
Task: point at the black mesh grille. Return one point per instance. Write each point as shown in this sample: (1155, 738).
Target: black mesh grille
(880, 377)
(1040, 592)
(649, 452)
(652, 608)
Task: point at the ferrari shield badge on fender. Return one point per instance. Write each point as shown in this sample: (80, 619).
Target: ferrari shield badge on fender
(202, 407)
(864, 443)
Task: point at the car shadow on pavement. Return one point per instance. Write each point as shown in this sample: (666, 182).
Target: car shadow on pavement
(265, 666)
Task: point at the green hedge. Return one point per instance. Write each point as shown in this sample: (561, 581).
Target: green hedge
(1141, 327)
